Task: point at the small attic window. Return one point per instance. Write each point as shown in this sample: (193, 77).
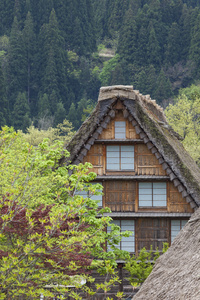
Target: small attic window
(152, 194)
(120, 129)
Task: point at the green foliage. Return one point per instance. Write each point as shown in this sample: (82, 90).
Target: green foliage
(21, 112)
(106, 73)
(139, 267)
(63, 132)
(184, 117)
(49, 47)
(60, 236)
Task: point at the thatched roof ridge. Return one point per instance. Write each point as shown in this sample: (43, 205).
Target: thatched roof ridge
(176, 274)
(152, 122)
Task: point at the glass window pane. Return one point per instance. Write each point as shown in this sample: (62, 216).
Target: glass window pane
(147, 203)
(127, 243)
(176, 226)
(120, 130)
(82, 193)
(160, 185)
(112, 148)
(97, 197)
(145, 185)
(183, 222)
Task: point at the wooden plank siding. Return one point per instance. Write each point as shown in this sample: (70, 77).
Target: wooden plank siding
(176, 203)
(147, 163)
(120, 196)
(152, 232)
(96, 158)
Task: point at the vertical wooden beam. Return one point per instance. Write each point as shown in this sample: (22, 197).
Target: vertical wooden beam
(127, 130)
(136, 236)
(104, 159)
(136, 196)
(168, 197)
(136, 159)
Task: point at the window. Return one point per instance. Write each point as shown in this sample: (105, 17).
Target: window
(126, 243)
(176, 226)
(152, 194)
(86, 194)
(120, 130)
(120, 157)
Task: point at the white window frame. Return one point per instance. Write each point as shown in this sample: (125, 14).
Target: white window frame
(120, 130)
(120, 157)
(126, 243)
(176, 226)
(152, 194)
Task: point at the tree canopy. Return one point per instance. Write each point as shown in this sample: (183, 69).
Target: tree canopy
(51, 232)
(184, 117)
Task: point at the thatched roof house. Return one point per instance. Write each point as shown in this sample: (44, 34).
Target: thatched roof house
(150, 123)
(176, 274)
(150, 183)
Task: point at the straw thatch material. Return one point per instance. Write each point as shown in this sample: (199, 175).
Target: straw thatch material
(150, 122)
(176, 274)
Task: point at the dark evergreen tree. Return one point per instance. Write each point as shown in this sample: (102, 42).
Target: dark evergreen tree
(73, 117)
(43, 106)
(60, 114)
(29, 40)
(4, 107)
(163, 89)
(53, 61)
(142, 41)
(127, 46)
(194, 53)
(21, 112)
(16, 69)
(153, 49)
(6, 16)
(174, 44)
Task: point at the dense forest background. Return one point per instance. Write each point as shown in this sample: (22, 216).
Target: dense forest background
(55, 54)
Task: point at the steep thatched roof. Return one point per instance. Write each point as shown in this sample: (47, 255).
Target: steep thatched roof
(150, 123)
(176, 274)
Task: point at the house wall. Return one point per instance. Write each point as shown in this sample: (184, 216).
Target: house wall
(121, 195)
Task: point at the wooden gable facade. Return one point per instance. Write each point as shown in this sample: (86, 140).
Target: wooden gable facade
(150, 183)
(139, 193)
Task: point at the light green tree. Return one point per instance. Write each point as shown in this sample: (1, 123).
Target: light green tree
(184, 117)
(51, 235)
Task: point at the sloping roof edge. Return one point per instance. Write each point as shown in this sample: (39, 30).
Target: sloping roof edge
(149, 121)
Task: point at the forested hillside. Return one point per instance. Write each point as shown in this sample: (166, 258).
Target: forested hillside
(55, 54)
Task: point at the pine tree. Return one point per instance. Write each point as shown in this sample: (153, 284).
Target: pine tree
(4, 107)
(21, 112)
(174, 44)
(53, 60)
(29, 40)
(60, 114)
(153, 49)
(163, 88)
(194, 53)
(16, 69)
(127, 46)
(43, 106)
(72, 116)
